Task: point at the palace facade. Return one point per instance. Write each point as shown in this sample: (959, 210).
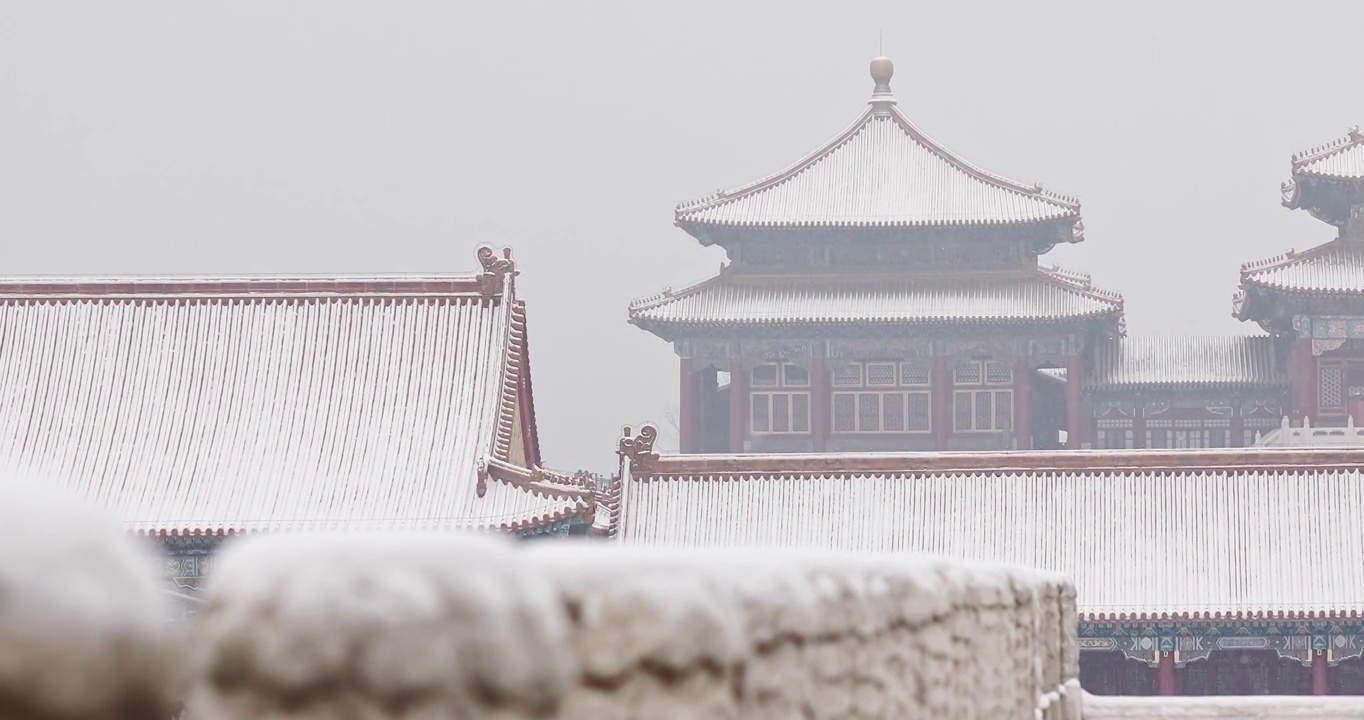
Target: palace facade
(885, 294)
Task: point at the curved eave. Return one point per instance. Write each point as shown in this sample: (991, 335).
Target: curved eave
(818, 322)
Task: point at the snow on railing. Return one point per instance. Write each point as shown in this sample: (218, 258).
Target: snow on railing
(1306, 435)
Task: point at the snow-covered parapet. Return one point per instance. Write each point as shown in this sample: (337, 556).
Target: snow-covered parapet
(379, 625)
(786, 633)
(453, 626)
(82, 618)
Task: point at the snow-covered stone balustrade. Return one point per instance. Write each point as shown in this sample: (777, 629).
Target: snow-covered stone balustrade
(1224, 707)
(458, 626)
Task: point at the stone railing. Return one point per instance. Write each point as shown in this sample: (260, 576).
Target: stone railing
(1208, 708)
(451, 626)
(1348, 435)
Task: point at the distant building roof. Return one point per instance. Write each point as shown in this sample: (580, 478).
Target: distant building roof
(1334, 268)
(1340, 159)
(734, 299)
(1328, 181)
(1142, 533)
(882, 172)
(1186, 361)
(218, 405)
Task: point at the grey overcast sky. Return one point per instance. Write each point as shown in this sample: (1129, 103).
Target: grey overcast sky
(330, 136)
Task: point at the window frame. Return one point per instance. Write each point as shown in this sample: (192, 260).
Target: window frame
(793, 393)
(982, 386)
(908, 394)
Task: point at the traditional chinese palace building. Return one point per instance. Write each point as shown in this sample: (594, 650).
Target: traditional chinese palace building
(885, 308)
(195, 409)
(1198, 572)
(884, 294)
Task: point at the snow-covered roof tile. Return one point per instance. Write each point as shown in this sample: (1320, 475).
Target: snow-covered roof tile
(1207, 360)
(1139, 532)
(1334, 268)
(268, 403)
(882, 171)
(1342, 159)
(736, 299)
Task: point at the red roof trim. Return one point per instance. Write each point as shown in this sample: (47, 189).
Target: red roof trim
(798, 467)
(236, 287)
(530, 429)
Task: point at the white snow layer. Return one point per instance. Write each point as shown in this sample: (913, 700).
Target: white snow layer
(82, 618)
(1261, 707)
(448, 626)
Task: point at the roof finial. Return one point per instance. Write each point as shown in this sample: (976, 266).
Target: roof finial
(881, 71)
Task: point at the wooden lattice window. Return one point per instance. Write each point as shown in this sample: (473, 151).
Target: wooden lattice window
(1330, 386)
(882, 397)
(774, 407)
(979, 404)
(1114, 435)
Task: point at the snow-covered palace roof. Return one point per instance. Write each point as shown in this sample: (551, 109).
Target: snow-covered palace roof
(739, 300)
(881, 172)
(1229, 360)
(1342, 159)
(219, 405)
(1142, 533)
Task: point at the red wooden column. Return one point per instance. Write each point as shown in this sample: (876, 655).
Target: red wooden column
(1075, 430)
(821, 411)
(1321, 680)
(1167, 680)
(1304, 381)
(942, 403)
(1023, 375)
(686, 408)
(738, 406)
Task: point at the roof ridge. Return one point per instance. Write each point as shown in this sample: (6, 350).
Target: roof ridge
(723, 196)
(863, 121)
(494, 280)
(1353, 137)
(1099, 463)
(937, 148)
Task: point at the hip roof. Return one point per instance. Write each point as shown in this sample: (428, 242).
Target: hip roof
(1141, 533)
(218, 405)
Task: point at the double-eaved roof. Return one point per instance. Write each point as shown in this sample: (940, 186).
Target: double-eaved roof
(881, 172)
(1143, 533)
(221, 405)
(736, 300)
